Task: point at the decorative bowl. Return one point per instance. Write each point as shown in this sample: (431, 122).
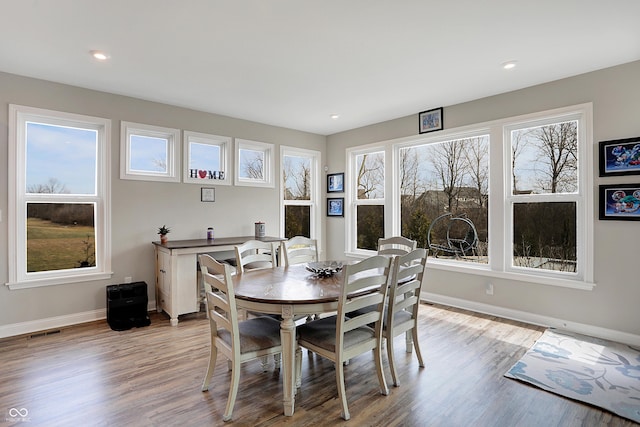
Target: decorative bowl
(324, 268)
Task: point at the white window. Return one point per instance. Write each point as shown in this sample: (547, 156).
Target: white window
(206, 159)
(149, 153)
(59, 191)
(547, 195)
(254, 163)
(366, 196)
(300, 210)
(524, 183)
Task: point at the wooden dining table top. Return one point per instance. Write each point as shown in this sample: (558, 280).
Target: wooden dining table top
(287, 285)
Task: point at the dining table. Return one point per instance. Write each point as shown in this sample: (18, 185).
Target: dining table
(290, 292)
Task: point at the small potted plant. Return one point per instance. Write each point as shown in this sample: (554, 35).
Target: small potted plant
(163, 231)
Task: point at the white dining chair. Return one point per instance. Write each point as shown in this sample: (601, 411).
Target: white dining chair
(298, 250)
(407, 277)
(238, 341)
(341, 337)
(254, 254)
(396, 245)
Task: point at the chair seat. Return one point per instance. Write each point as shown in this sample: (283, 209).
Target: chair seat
(258, 333)
(322, 333)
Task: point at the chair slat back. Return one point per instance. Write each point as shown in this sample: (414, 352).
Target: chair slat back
(221, 305)
(298, 250)
(360, 278)
(397, 245)
(255, 251)
(406, 283)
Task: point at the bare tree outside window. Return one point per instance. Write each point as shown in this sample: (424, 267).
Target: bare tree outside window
(544, 162)
(446, 177)
(297, 183)
(251, 164)
(369, 211)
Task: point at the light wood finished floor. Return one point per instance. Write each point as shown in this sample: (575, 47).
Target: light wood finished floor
(89, 375)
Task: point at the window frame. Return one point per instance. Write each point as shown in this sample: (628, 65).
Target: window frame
(582, 197)
(223, 142)
(19, 278)
(314, 199)
(269, 163)
(499, 226)
(352, 202)
(127, 129)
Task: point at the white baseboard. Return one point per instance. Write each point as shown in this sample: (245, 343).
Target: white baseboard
(535, 319)
(49, 323)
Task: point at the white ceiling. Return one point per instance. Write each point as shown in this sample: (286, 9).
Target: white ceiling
(293, 63)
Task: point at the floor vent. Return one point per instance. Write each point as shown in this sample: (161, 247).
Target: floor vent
(44, 333)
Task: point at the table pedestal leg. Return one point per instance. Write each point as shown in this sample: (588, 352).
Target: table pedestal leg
(288, 339)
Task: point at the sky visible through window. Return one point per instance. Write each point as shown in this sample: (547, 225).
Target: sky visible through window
(204, 156)
(65, 154)
(149, 154)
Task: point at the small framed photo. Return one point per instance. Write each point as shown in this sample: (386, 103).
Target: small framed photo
(335, 183)
(335, 206)
(430, 120)
(207, 194)
(620, 202)
(619, 157)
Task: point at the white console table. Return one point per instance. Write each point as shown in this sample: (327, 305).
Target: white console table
(176, 271)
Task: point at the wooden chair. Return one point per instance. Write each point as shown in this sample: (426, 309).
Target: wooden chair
(255, 254)
(340, 338)
(298, 249)
(397, 245)
(404, 300)
(237, 341)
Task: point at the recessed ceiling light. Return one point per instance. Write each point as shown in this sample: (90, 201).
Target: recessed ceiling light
(509, 65)
(335, 116)
(99, 55)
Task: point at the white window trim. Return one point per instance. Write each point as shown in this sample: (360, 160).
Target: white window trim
(316, 213)
(18, 277)
(269, 163)
(173, 151)
(583, 197)
(351, 201)
(497, 205)
(224, 142)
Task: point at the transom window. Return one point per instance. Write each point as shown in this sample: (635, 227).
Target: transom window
(206, 159)
(149, 153)
(254, 163)
(59, 187)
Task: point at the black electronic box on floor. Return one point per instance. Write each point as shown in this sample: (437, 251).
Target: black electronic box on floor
(127, 306)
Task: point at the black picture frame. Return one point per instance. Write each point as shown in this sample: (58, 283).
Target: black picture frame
(335, 182)
(619, 157)
(207, 194)
(335, 206)
(430, 120)
(620, 202)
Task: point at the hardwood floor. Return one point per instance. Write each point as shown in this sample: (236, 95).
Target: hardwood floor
(90, 375)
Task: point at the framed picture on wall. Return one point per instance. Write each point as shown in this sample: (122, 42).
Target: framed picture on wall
(430, 120)
(335, 183)
(620, 202)
(335, 206)
(619, 157)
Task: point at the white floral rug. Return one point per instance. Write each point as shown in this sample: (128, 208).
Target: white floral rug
(603, 373)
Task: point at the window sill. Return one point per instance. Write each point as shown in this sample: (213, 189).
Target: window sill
(61, 280)
(528, 278)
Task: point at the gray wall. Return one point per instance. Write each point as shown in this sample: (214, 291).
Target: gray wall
(138, 207)
(613, 303)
